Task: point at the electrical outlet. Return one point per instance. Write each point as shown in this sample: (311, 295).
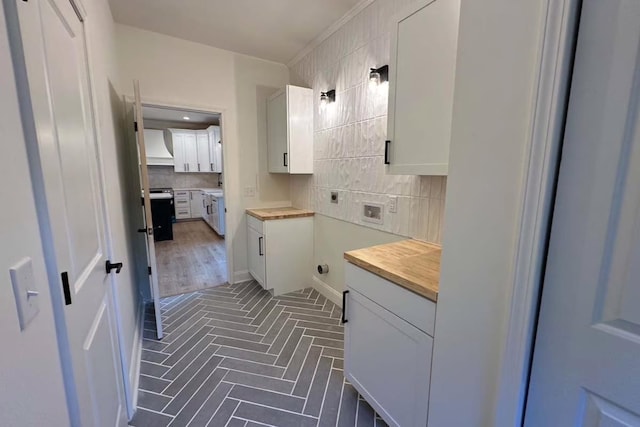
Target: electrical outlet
(249, 192)
(373, 212)
(334, 197)
(393, 204)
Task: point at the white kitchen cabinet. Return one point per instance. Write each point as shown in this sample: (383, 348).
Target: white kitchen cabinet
(290, 131)
(215, 149)
(185, 150)
(424, 42)
(182, 203)
(202, 147)
(280, 253)
(388, 346)
(195, 203)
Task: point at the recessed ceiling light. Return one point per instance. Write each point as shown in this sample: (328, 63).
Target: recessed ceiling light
(186, 118)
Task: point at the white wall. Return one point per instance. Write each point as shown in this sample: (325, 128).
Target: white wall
(349, 141)
(183, 73)
(499, 44)
(31, 386)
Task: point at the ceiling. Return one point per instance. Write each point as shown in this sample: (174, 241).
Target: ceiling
(275, 30)
(168, 115)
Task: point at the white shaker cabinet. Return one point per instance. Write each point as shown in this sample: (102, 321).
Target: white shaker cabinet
(290, 131)
(424, 42)
(197, 150)
(185, 150)
(280, 252)
(196, 202)
(202, 147)
(388, 346)
(215, 149)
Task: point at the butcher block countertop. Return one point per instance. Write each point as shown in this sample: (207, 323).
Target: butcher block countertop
(412, 264)
(268, 214)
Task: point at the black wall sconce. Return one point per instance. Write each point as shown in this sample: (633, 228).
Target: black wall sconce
(377, 76)
(327, 97)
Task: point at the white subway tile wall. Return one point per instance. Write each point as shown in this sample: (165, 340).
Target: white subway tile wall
(166, 177)
(349, 134)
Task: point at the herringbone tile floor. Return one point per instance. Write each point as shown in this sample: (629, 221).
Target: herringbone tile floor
(235, 356)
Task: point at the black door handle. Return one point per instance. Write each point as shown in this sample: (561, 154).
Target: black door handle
(284, 159)
(142, 230)
(260, 246)
(108, 266)
(387, 161)
(344, 306)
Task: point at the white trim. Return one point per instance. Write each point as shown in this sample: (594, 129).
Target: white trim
(555, 58)
(136, 358)
(327, 291)
(329, 31)
(241, 276)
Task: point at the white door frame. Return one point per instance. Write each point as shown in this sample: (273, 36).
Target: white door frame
(229, 204)
(556, 52)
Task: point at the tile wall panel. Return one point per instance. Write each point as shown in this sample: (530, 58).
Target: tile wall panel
(166, 177)
(349, 135)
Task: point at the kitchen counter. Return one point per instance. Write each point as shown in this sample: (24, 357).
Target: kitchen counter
(268, 214)
(412, 264)
(198, 189)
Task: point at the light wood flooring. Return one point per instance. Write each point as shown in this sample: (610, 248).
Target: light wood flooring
(195, 259)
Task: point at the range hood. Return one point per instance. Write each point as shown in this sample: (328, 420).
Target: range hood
(157, 152)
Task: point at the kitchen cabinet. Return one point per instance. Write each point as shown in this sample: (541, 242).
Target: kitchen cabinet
(215, 149)
(202, 148)
(290, 131)
(195, 203)
(185, 150)
(388, 346)
(182, 203)
(280, 252)
(424, 43)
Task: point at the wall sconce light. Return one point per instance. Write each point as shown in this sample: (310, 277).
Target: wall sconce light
(327, 98)
(377, 76)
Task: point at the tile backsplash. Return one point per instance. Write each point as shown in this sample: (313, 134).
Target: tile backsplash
(166, 177)
(349, 134)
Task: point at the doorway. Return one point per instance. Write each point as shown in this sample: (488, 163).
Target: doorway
(185, 172)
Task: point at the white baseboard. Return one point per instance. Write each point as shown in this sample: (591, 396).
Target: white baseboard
(136, 356)
(241, 276)
(327, 291)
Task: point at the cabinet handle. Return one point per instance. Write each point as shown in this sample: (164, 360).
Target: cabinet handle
(284, 159)
(198, 167)
(190, 196)
(260, 246)
(387, 161)
(211, 167)
(344, 306)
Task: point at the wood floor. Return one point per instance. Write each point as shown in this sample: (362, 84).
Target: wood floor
(195, 259)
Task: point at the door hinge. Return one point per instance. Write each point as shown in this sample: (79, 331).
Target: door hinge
(149, 271)
(135, 126)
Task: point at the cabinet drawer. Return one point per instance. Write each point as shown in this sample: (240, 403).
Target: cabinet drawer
(415, 309)
(181, 194)
(181, 202)
(255, 223)
(182, 213)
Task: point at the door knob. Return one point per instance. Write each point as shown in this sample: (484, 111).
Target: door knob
(111, 266)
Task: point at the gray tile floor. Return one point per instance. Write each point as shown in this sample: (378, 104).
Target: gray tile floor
(236, 356)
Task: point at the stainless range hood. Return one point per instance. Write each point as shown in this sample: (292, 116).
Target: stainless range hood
(157, 152)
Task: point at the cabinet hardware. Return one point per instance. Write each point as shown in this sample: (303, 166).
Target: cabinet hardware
(344, 307)
(65, 287)
(211, 167)
(198, 167)
(108, 266)
(260, 246)
(386, 152)
(284, 159)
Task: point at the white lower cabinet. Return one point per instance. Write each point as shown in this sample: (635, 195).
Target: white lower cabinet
(388, 357)
(280, 253)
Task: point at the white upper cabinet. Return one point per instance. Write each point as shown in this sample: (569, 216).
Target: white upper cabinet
(197, 150)
(290, 131)
(424, 42)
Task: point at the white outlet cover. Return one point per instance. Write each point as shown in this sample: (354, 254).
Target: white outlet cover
(23, 281)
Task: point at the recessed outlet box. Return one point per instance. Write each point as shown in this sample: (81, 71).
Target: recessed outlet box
(373, 212)
(393, 204)
(334, 197)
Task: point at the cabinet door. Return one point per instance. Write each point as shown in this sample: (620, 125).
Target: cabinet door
(191, 151)
(300, 130)
(215, 149)
(423, 46)
(257, 259)
(202, 150)
(203, 206)
(195, 197)
(179, 161)
(388, 361)
(277, 138)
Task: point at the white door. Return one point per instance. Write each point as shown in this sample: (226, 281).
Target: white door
(277, 137)
(53, 40)
(586, 364)
(257, 261)
(179, 154)
(202, 148)
(148, 218)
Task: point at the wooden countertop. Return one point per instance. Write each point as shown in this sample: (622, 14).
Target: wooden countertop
(267, 214)
(412, 264)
